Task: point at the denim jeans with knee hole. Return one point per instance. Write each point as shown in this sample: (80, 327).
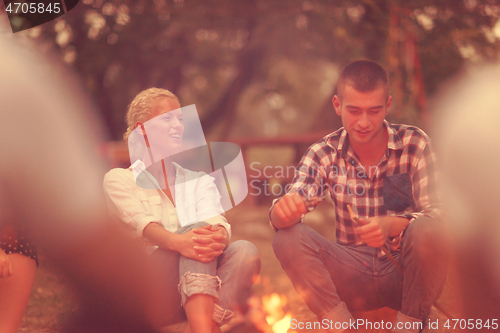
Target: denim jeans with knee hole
(228, 278)
(334, 278)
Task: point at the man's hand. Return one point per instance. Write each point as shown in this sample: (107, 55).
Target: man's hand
(374, 231)
(288, 210)
(6, 269)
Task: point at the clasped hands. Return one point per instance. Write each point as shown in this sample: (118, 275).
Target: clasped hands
(203, 243)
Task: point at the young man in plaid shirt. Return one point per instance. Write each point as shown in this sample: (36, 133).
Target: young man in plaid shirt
(387, 174)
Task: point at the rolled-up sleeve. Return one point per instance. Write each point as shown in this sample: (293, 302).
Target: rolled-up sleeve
(124, 204)
(310, 179)
(426, 196)
(425, 189)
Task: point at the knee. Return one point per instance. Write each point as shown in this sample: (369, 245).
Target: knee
(287, 241)
(427, 236)
(244, 249)
(246, 253)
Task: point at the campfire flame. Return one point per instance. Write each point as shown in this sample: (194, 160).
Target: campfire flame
(267, 313)
(276, 318)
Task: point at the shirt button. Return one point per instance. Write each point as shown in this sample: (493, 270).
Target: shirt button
(353, 162)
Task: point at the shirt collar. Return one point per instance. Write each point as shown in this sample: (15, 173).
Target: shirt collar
(179, 171)
(343, 145)
(139, 167)
(393, 142)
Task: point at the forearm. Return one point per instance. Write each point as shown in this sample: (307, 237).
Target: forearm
(160, 237)
(310, 182)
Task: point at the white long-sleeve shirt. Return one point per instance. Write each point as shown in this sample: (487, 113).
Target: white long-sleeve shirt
(196, 199)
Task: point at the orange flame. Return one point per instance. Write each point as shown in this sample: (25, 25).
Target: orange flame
(276, 318)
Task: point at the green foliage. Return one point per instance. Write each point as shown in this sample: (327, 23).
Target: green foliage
(211, 52)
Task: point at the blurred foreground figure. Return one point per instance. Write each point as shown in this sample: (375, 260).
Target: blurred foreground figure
(470, 152)
(50, 187)
(17, 254)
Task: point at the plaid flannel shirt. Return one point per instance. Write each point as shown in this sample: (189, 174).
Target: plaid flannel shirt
(403, 184)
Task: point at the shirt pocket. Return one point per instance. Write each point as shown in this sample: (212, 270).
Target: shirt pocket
(155, 205)
(398, 193)
(152, 204)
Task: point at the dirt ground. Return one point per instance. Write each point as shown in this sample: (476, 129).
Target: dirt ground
(51, 302)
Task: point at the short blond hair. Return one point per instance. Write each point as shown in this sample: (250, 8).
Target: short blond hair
(142, 105)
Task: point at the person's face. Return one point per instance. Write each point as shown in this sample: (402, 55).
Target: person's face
(363, 113)
(164, 127)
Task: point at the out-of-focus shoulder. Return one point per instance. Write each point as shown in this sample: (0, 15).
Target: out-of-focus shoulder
(117, 173)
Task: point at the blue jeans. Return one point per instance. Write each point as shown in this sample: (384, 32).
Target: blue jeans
(334, 278)
(228, 278)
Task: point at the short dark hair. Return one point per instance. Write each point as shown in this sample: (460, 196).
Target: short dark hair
(364, 76)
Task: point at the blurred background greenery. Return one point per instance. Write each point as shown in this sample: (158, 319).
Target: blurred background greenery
(267, 68)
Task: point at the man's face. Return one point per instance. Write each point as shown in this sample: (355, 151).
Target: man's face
(363, 113)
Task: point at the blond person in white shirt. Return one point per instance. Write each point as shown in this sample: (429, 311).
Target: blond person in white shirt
(210, 274)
